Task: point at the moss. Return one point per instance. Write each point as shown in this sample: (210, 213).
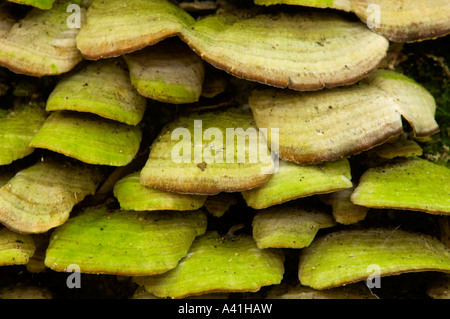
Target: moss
(428, 63)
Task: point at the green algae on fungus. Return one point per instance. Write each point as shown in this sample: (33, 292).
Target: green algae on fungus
(167, 72)
(401, 147)
(124, 242)
(293, 181)
(214, 264)
(408, 184)
(116, 27)
(40, 44)
(15, 249)
(88, 138)
(347, 256)
(101, 88)
(132, 195)
(17, 128)
(41, 4)
(303, 51)
(320, 126)
(42, 196)
(288, 227)
(207, 153)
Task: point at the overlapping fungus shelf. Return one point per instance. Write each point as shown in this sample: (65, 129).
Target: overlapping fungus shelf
(266, 149)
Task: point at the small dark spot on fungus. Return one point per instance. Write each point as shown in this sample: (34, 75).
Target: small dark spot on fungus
(202, 166)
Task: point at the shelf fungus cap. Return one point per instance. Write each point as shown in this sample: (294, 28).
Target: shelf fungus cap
(41, 197)
(218, 205)
(303, 51)
(214, 264)
(41, 4)
(320, 126)
(290, 291)
(89, 138)
(15, 248)
(412, 100)
(344, 210)
(288, 227)
(404, 20)
(132, 195)
(208, 153)
(168, 72)
(407, 184)
(330, 4)
(41, 43)
(124, 242)
(400, 147)
(348, 256)
(293, 181)
(17, 128)
(397, 20)
(116, 27)
(101, 87)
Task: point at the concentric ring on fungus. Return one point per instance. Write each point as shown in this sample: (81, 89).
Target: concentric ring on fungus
(40, 44)
(321, 126)
(126, 243)
(116, 27)
(302, 51)
(343, 257)
(217, 265)
(99, 87)
(397, 20)
(197, 154)
(408, 184)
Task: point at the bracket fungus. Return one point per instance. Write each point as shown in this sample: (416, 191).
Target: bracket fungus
(288, 227)
(40, 44)
(124, 242)
(409, 184)
(88, 138)
(217, 265)
(344, 210)
(41, 4)
(293, 181)
(219, 151)
(322, 126)
(41, 197)
(225, 149)
(307, 51)
(132, 195)
(167, 72)
(103, 88)
(344, 257)
(115, 27)
(17, 128)
(218, 205)
(15, 248)
(398, 21)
